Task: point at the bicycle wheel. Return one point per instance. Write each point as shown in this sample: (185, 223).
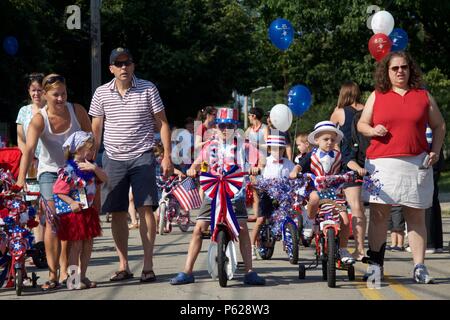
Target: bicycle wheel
(331, 265)
(18, 281)
(162, 218)
(266, 244)
(222, 242)
(324, 258)
(291, 238)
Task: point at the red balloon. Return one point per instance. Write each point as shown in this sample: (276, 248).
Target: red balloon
(379, 46)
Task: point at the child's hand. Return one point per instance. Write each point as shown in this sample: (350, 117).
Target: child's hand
(254, 171)
(87, 166)
(294, 172)
(192, 173)
(361, 172)
(76, 206)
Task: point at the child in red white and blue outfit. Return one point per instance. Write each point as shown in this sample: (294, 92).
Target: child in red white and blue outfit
(321, 161)
(74, 193)
(222, 153)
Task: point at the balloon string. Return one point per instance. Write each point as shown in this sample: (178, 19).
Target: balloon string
(294, 147)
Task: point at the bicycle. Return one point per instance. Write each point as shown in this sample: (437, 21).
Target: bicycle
(222, 258)
(280, 223)
(17, 238)
(327, 227)
(169, 208)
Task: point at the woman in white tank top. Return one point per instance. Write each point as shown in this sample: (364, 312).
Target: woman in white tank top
(53, 125)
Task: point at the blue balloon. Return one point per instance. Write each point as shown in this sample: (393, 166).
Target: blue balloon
(281, 33)
(299, 99)
(10, 45)
(399, 39)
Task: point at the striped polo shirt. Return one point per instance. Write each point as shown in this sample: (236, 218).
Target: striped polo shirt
(129, 120)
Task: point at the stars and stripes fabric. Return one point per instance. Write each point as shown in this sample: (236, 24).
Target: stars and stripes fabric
(326, 165)
(187, 194)
(221, 189)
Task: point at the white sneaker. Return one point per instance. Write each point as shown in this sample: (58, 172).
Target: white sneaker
(421, 275)
(408, 248)
(307, 233)
(345, 256)
(430, 250)
(254, 253)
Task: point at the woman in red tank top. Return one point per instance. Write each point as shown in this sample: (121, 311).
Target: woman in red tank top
(395, 118)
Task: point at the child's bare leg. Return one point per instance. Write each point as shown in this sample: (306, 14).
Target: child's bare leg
(255, 231)
(393, 238)
(85, 256)
(345, 230)
(313, 205)
(195, 245)
(244, 244)
(74, 248)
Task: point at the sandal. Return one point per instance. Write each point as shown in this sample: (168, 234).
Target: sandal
(148, 276)
(51, 285)
(88, 284)
(182, 278)
(121, 275)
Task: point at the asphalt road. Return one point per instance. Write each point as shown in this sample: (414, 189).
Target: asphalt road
(282, 277)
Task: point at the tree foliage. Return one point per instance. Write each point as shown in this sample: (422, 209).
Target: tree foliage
(198, 51)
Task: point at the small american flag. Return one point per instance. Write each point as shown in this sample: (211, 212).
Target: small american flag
(187, 195)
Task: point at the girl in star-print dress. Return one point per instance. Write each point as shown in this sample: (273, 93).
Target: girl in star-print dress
(74, 197)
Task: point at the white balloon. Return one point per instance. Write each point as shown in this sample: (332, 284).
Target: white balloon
(281, 117)
(382, 22)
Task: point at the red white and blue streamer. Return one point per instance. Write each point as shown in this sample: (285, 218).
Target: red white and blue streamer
(221, 189)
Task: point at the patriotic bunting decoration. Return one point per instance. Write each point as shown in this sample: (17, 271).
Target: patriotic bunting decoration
(221, 189)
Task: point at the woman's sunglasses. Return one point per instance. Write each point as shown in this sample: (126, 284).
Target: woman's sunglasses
(36, 77)
(396, 68)
(54, 79)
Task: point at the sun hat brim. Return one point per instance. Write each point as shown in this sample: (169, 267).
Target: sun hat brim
(312, 135)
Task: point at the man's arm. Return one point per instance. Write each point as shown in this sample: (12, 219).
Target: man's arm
(166, 163)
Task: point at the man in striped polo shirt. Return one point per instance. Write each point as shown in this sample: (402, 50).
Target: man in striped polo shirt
(129, 109)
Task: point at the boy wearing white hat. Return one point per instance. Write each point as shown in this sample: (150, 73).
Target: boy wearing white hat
(325, 160)
(276, 166)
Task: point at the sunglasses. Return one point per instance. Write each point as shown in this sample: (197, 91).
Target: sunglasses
(403, 67)
(36, 77)
(226, 126)
(54, 79)
(120, 64)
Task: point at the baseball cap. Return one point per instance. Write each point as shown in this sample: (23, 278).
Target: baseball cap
(117, 52)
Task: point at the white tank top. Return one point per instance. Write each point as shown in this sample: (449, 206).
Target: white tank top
(51, 156)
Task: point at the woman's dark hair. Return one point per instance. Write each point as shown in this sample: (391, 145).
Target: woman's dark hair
(201, 115)
(258, 112)
(381, 75)
(34, 77)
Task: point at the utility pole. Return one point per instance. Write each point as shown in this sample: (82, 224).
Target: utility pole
(96, 55)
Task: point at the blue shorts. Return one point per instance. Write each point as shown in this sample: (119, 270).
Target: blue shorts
(138, 173)
(46, 182)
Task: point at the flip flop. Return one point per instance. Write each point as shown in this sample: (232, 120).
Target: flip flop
(51, 285)
(148, 276)
(88, 284)
(121, 275)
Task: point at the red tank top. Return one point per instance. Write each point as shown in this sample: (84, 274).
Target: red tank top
(405, 118)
